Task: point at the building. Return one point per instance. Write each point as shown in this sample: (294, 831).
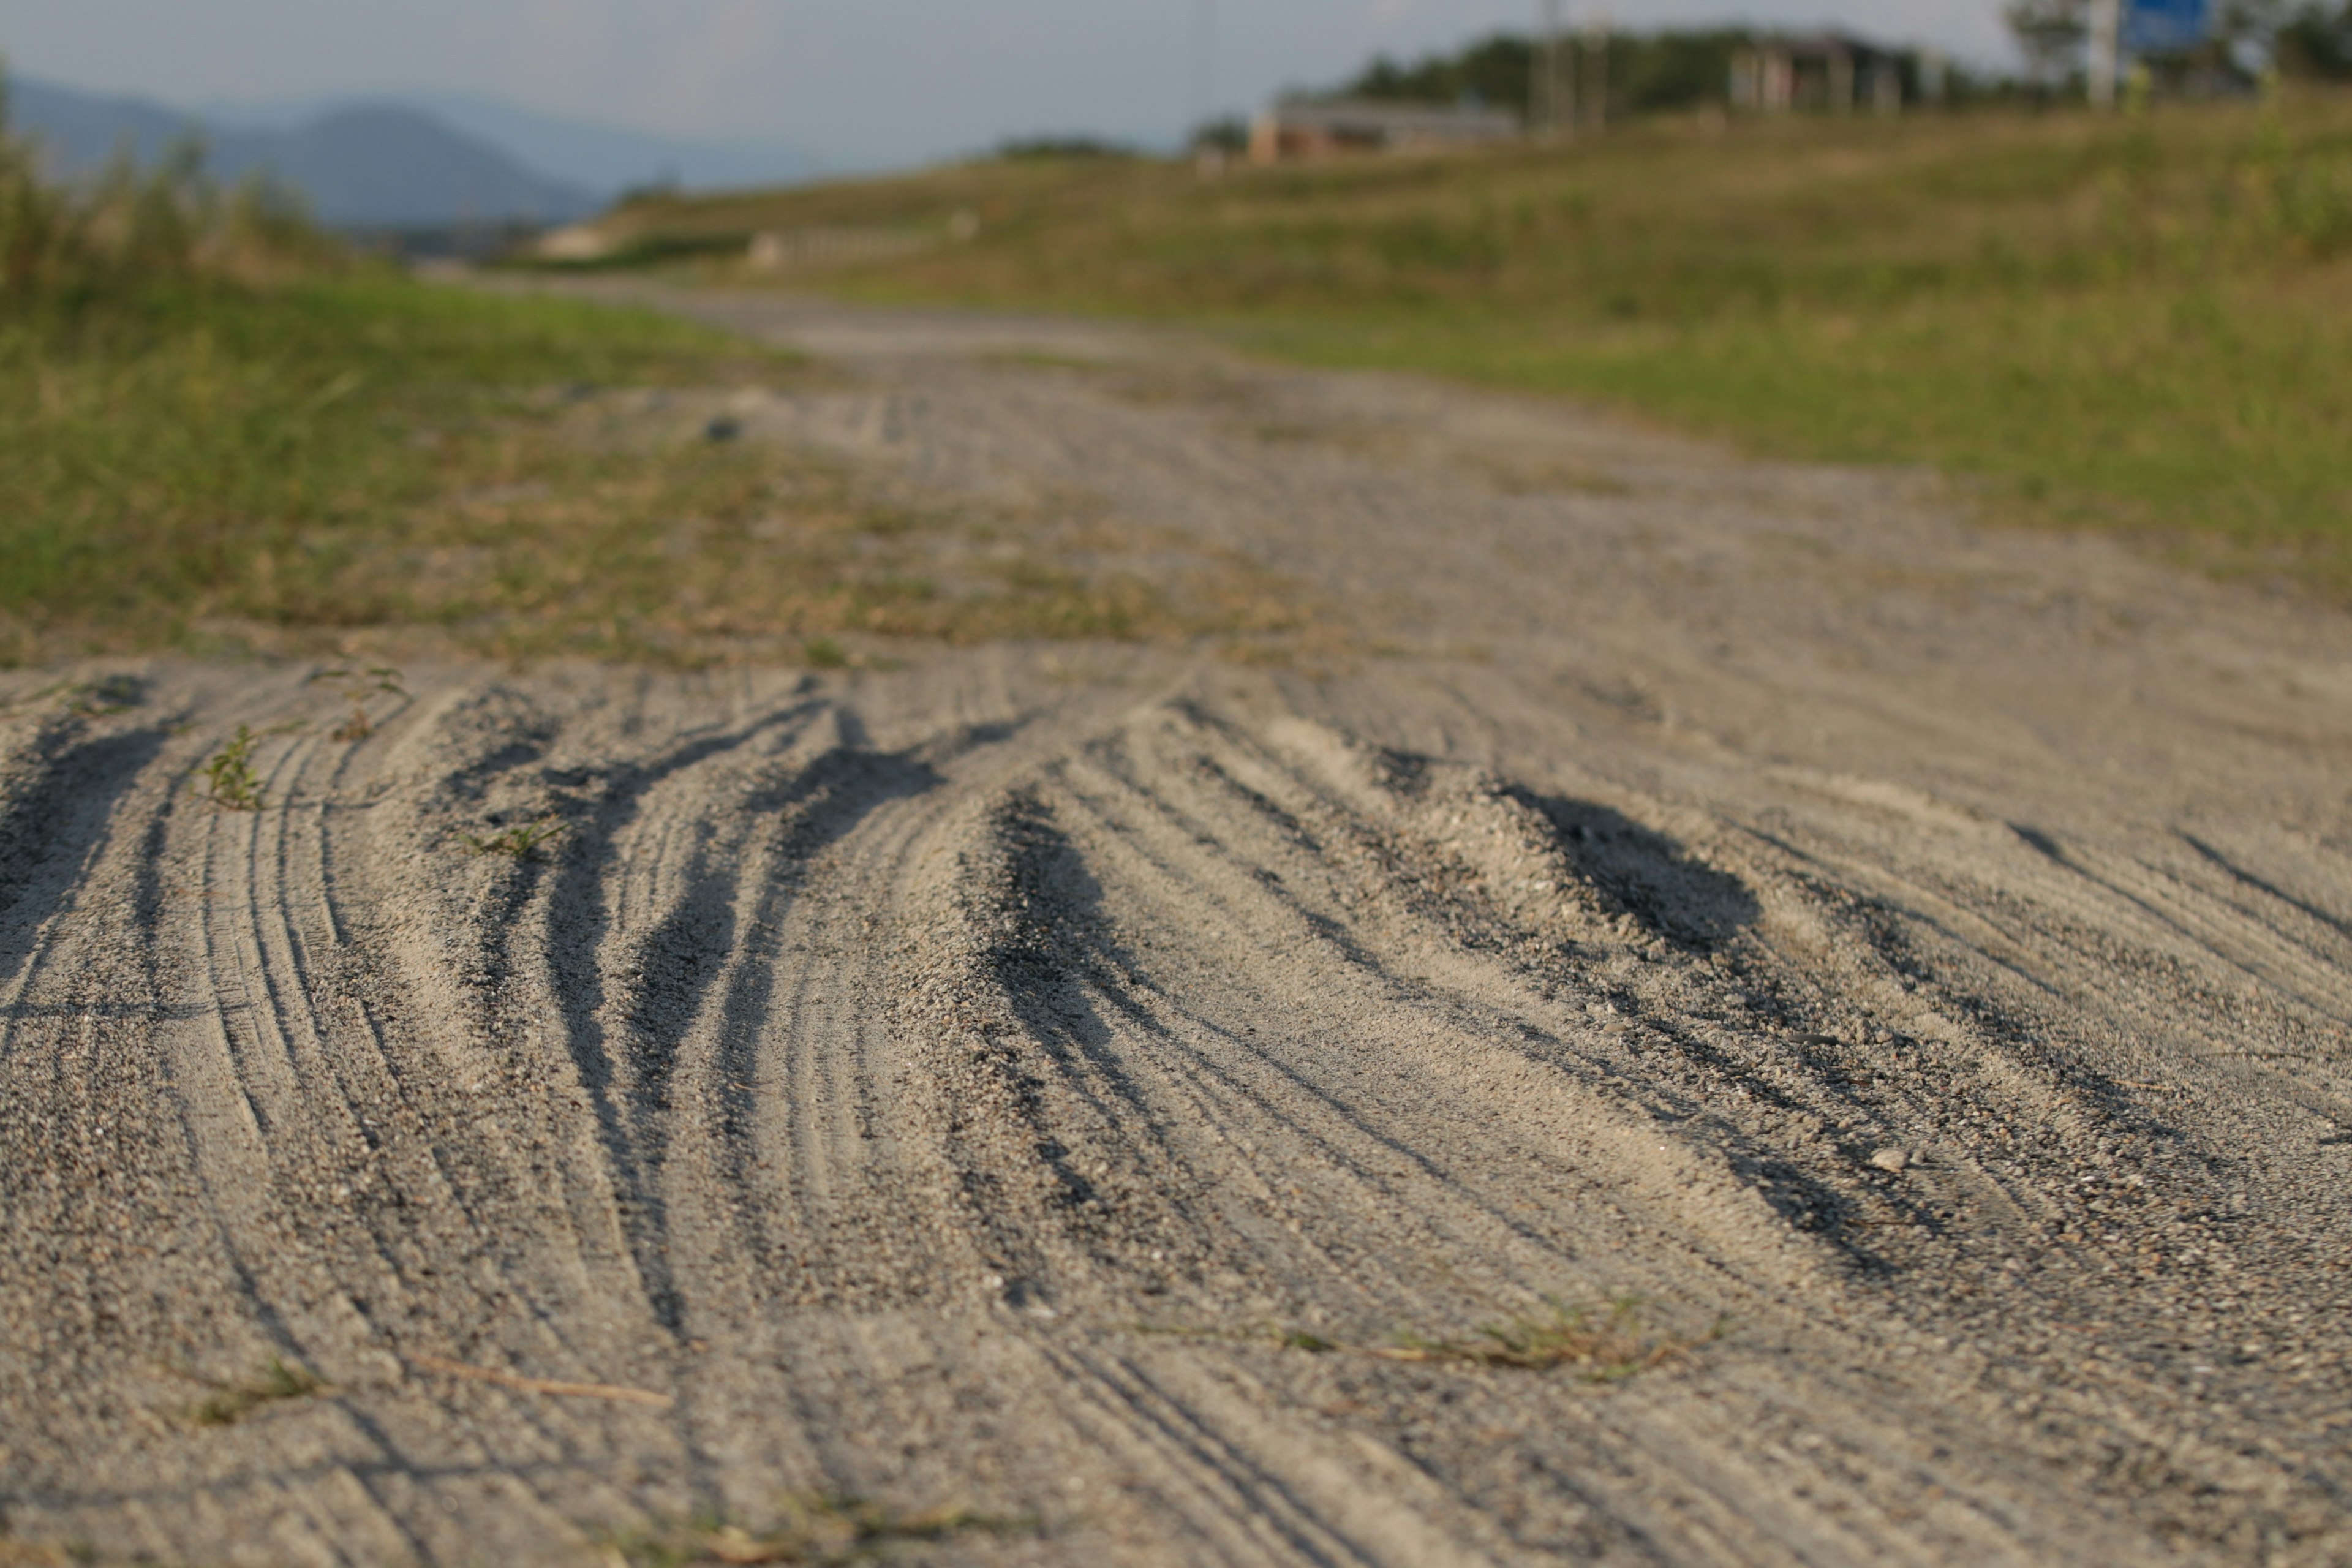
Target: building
(1831, 72)
(1322, 129)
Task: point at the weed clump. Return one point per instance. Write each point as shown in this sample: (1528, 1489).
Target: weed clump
(815, 1530)
(229, 779)
(67, 250)
(357, 686)
(104, 698)
(1602, 1347)
(277, 1382)
(518, 843)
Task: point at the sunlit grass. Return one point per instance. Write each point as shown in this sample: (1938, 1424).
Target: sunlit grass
(350, 465)
(2138, 323)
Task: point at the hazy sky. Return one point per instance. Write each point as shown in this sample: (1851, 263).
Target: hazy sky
(858, 83)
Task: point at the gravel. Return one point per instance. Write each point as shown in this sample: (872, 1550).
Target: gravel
(1912, 961)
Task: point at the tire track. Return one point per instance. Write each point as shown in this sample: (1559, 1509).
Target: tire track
(1043, 1081)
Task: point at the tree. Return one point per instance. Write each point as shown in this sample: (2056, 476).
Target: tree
(2315, 43)
(1661, 72)
(2051, 35)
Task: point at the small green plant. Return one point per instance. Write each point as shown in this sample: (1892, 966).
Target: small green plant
(1601, 1347)
(817, 1530)
(520, 843)
(1262, 1333)
(230, 781)
(231, 1403)
(357, 686)
(823, 653)
(109, 694)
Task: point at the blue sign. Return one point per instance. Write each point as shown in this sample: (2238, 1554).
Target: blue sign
(2164, 26)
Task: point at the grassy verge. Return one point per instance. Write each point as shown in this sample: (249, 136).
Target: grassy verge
(217, 430)
(2139, 323)
(2211, 419)
(186, 458)
(356, 465)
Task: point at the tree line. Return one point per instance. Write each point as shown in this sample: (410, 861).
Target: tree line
(1682, 68)
(2305, 39)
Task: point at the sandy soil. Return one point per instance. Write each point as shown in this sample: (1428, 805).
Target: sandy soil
(1926, 951)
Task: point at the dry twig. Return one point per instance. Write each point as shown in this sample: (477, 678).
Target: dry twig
(558, 1389)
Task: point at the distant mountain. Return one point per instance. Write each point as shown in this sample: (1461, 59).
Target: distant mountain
(362, 166)
(615, 158)
(382, 166)
(81, 131)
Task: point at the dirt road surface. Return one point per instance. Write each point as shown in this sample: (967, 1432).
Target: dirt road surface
(1112, 1090)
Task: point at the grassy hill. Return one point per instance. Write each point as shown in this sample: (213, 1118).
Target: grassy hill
(222, 432)
(2140, 322)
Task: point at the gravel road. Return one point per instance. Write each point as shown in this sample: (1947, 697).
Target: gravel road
(1113, 1091)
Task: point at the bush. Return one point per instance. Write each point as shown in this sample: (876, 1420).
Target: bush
(2318, 46)
(132, 230)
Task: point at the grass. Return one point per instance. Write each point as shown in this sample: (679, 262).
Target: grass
(1600, 1346)
(275, 1382)
(220, 433)
(518, 843)
(190, 456)
(105, 696)
(2138, 323)
(817, 1530)
(95, 698)
(357, 687)
(370, 466)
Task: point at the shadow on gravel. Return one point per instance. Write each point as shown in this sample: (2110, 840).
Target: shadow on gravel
(50, 829)
(685, 955)
(1059, 943)
(1648, 875)
(628, 1077)
(819, 807)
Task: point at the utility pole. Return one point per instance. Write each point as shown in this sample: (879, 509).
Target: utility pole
(2106, 51)
(1596, 72)
(1544, 116)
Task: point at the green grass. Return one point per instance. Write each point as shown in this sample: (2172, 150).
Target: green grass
(218, 431)
(365, 466)
(2139, 322)
(213, 453)
(359, 688)
(277, 1383)
(517, 843)
(1599, 1346)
